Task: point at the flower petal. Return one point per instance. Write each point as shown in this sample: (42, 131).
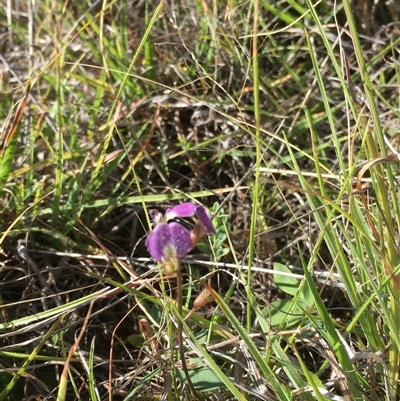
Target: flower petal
(204, 218)
(180, 238)
(158, 240)
(155, 216)
(168, 242)
(186, 209)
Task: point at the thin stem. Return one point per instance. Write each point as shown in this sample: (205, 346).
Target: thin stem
(180, 331)
(256, 189)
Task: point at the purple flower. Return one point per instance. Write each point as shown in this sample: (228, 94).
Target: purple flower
(169, 242)
(205, 220)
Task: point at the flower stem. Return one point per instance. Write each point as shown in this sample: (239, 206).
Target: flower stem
(180, 332)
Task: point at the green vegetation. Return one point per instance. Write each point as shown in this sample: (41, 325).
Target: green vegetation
(280, 117)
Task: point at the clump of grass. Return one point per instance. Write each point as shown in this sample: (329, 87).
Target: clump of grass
(281, 119)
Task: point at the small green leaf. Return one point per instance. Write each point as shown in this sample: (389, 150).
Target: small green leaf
(287, 284)
(135, 339)
(202, 377)
(285, 311)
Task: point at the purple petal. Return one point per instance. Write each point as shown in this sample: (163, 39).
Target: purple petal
(180, 238)
(186, 209)
(155, 216)
(168, 242)
(157, 241)
(204, 218)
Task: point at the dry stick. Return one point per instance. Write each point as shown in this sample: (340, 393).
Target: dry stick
(64, 375)
(17, 119)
